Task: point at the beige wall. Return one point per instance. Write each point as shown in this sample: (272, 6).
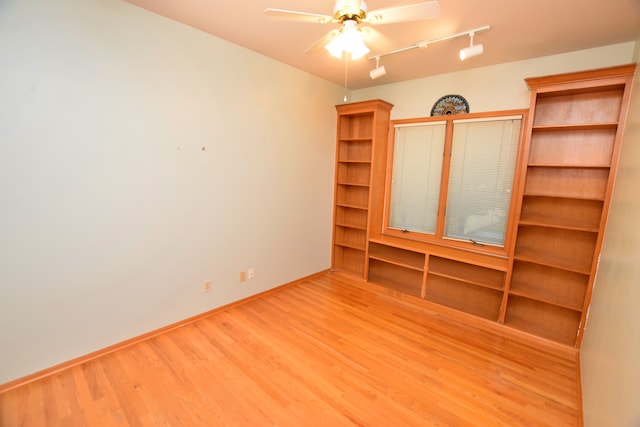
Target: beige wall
(111, 214)
(610, 356)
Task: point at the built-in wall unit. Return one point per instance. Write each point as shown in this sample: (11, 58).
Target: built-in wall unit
(496, 215)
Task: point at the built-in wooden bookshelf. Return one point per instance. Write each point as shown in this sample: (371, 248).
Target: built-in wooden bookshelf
(572, 148)
(471, 282)
(361, 138)
(541, 283)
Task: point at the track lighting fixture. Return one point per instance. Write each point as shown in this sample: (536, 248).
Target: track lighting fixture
(467, 52)
(472, 50)
(378, 71)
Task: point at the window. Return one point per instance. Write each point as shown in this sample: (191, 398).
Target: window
(415, 185)
(451, 179)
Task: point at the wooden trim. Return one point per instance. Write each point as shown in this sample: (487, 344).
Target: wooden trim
(621, 71)
(438, 237)
(135, 340)
(358, 107)
(579, 391)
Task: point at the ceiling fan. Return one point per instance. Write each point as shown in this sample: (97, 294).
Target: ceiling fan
(350, 14)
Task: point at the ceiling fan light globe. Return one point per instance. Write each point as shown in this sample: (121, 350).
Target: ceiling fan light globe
(358, 50)
(334, 47)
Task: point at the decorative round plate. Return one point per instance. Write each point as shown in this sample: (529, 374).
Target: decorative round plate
(449, 105)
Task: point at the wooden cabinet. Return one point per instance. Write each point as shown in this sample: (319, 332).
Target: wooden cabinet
(572, 148)
(362, 130)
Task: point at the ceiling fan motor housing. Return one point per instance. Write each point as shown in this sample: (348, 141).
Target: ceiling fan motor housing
(350, 10)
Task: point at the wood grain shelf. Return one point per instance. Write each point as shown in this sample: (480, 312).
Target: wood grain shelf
(396, 277)
(571, 214)
(542, 319)
(467, 273)
(350, 217)
(573, 145)
(547, 284)
(576, 127)
(469, 298)
(570, 182)
(360, 137)
(400, 257)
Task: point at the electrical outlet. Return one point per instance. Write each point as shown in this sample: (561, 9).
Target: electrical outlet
(206, 287)
(243, 276)
(251, 273)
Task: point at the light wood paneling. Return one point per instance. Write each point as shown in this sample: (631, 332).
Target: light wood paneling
(331, 350)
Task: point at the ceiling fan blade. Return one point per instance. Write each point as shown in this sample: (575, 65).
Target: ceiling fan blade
(322, 42)
(373, 38)
(314, 18)
(406, 13)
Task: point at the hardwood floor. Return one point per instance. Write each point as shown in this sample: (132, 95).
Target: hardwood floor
(327, 351)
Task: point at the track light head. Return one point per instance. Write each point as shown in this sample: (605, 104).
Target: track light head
(472, 50)
(377, 72)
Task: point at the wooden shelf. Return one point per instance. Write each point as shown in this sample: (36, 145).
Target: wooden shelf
(547, 284)
(573, 148)
(361, 132)
(563, 249)
(585, 183)
(348, 259)
(542, 319)
(576, 166)
(578, 107)
(576, 127)
(351, 206)
(351, 237)
(350, 217)
(400, 257)
(571, 214)
(477, 300)
(353, 174)
(396, 277)
(465, 272)
(354, 139)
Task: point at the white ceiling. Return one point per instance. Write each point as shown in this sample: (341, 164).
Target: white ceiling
(520, 29)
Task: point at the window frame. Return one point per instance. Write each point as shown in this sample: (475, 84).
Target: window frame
(439, 238)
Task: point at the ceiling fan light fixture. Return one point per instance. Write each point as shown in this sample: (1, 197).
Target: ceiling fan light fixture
(334, 47)
(349, 40)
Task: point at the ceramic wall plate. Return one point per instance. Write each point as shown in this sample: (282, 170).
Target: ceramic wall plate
(449, 105)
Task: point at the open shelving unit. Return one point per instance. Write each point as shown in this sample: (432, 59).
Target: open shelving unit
(464, 286)
(361, 136)
(473, 283)
(541, 283)
(396, 268)
(572, 148)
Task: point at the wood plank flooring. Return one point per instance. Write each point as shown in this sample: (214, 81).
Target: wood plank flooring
(329, 351)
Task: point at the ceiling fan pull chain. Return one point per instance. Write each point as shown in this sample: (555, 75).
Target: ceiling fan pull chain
(346, 72)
